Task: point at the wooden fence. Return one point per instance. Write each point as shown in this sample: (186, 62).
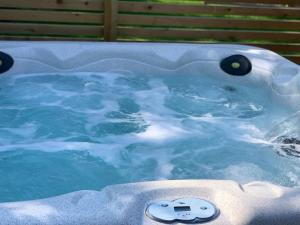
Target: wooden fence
(271, 24)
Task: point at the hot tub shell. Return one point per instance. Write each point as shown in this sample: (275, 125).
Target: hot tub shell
(256, 203)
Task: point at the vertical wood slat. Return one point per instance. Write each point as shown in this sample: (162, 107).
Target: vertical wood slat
(110, 20)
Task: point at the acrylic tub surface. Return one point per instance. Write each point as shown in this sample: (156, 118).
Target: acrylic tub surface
(252, 204)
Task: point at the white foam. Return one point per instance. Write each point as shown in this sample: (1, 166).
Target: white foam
(155, 135)
(245, 172)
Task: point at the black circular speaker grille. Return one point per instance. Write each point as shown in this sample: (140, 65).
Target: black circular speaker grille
(236, 65)
(6, 62)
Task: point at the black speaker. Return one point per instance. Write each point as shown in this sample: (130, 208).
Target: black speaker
(6, 62)
(236, 65)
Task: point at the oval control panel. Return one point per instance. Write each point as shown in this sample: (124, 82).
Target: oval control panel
(183, 210)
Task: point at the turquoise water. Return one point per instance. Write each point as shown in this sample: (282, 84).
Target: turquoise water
(67, 132)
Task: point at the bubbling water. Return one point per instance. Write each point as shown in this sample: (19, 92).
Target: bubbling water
(67, 132)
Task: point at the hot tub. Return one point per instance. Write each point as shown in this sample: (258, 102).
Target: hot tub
(132, 133)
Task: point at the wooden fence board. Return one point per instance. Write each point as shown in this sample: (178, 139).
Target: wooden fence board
(47, 38)
(146, 7)
(293, 25)
(281, 2)
(282, 48)
(293, 58)
(275, 27)
(111, 17)
(224, 35)
(91, 5)
(45, 29)
(50, 16)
